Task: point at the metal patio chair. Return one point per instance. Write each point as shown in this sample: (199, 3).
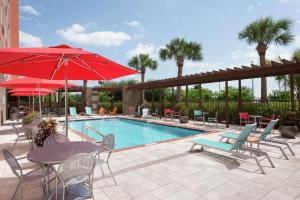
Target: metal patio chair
(55, 138)
(76, 177)
(107, 145)
(18, 171)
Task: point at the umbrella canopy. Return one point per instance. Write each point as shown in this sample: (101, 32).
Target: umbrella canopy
(21, 94)
(35, 90)
(34, 83)
(60, 63)
(50, 63)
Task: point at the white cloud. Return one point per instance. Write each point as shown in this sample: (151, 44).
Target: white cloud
(298, 21)
(202, 66)
(28, 40)
(150, 49)
(77, 33)
(297, 11)
(135, 24)
(29, 9)
(250, 8)
(284, 1)
(238, 54)
(260, 4)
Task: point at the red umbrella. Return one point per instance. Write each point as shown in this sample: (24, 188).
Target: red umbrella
(34, 83)
(60, 63)
(35, 90)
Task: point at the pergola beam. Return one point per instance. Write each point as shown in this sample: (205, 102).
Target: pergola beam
(230, 75)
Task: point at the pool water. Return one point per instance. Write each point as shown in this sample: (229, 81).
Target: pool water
(129, 133)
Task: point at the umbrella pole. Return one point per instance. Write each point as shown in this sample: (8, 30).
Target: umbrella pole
(32, 102)
(40, 103)
(66, 99)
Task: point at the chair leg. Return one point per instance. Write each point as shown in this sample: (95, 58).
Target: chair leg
(259, 165)
(111, 173)
(102, 171)
(16, 190)
(192, 148)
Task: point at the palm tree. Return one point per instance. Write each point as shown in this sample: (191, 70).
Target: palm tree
(141, 62)
(180, 49)
(264, 32)
(282, 80)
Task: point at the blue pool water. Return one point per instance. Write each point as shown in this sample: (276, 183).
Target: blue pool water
(130, 133)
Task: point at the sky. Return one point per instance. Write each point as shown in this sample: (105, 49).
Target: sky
(119, 29)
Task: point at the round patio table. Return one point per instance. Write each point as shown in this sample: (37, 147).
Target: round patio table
(57, 153)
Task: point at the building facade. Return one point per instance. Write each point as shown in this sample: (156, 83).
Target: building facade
(9, 37)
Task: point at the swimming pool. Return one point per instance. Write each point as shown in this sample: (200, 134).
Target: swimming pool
(129, 133)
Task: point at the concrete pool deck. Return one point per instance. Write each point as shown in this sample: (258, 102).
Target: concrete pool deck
(169, 171)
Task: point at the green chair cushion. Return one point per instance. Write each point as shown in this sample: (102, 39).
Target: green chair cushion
(213, 144)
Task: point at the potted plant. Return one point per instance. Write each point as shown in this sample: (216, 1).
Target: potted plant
(27, 120)
(45, 128)
(184, 115)
(288, 125)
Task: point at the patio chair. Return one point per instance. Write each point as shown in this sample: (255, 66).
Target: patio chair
(265, 121)
(107, 146)
(76, 178)
(102, 111)
(55, 138)
(155, 113)
(213, 119)
(17, 132)
(244, 118)
(262, 139)
(176, 115)
(146, 113)
(73, 112)
(168, 113)
(236, 146)
(18, 171)
(131, 110)
(198, 115)
(114, 111)
(88, 111)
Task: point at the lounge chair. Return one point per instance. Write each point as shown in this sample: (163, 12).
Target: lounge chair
(88, 111)
(102, 111)
(236, 146)
(262, 139)
(155, 113)
(73, 112)
(146, 113)
(168, 113)
(113, 112)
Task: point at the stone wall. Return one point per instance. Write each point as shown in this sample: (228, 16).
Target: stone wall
(93, 98)
(131, 98)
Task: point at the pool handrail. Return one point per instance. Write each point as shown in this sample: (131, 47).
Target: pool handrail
(86, 127)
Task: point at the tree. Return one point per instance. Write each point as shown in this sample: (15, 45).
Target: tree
(141, 62)
(233, 92)
(264, 32)
(180, 49)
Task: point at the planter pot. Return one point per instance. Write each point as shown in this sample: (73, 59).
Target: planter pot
(288, 131)
(183, 119)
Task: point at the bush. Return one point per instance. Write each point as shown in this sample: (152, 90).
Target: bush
(45, 128)
(29, 118)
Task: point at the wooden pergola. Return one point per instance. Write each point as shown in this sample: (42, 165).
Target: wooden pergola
(285, 67)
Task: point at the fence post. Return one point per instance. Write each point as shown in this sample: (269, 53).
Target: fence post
(240, 97)
(226, 107)
(186, 95)
(292, 85)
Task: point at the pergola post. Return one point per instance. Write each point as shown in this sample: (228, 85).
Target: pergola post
(292, 91)
(152, 98)
(200, 96)
(226, 105)
(161, 105)
(240, 96)
(49, 101)
(186, 95)
(173, 99)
